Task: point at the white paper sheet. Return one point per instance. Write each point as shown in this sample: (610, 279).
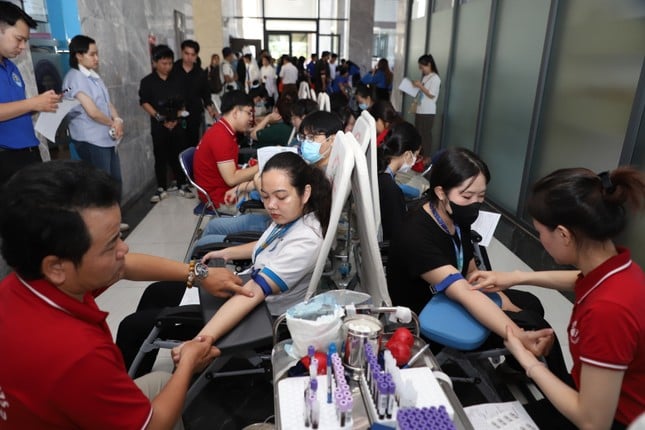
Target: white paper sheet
(264, 154)
(48, 122)
(407, 87)
(500, 416)
(485, 225)
(191, 297)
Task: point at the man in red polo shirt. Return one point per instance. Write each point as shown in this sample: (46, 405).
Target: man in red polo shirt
(60, 369)
(215, 162)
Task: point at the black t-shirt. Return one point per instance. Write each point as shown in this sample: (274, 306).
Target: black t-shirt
(321, 68)
(392, 204)
(419, 246)
(166, 96)
(197, 93)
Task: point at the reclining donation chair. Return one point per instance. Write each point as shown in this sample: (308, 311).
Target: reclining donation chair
(365, 133)
(256, 329)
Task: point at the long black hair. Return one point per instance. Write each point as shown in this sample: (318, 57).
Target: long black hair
(300, 175)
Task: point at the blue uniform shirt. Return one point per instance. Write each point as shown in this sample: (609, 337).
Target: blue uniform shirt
(18, 132)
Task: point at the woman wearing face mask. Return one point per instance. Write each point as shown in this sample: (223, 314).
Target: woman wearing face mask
(364, 96)
(317, 133)
(397, 154)
(433, 247)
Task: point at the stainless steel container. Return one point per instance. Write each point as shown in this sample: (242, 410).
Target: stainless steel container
(358, 331)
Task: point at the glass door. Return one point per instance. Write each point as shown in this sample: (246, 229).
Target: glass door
(296, 44)
(279, 43)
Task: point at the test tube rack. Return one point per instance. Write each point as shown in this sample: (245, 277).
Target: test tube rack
(429, 394)
(292, 405)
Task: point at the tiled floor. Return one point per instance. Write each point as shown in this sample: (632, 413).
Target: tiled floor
(166, 230)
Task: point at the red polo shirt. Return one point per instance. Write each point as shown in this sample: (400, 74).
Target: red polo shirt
(218, 145)
(607, 328)
(59, 368)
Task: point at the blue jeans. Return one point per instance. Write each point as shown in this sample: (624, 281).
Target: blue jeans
(105, 159)
(218, 228)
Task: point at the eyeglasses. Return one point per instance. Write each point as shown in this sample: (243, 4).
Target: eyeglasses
(248, 112)
(302, 137)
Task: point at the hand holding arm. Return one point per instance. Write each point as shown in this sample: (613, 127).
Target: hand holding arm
(589, 408)
(168, 404)
(491, 281)
(141, 267)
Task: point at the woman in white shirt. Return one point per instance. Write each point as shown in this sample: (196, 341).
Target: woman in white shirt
(269, 77)
(298, 198)
(427, 101)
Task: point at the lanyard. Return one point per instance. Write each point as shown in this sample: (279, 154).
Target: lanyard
(278, 232)
(457, 243)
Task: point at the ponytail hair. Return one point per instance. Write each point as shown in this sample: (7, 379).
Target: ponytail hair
(590, 205)
(300, 175)
(428, 60)
(400, 138)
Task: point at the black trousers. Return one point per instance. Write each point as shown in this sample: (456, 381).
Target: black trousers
(13, 160)
(134, 328)
(166, 145)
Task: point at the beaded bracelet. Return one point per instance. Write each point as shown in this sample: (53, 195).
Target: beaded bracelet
(191, 274)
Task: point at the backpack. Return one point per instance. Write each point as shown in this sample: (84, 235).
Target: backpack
(214, 79)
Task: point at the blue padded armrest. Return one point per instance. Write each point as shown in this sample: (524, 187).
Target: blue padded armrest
(447, 322)
(410, 192)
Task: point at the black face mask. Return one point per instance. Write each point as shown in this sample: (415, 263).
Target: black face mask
(464, 215)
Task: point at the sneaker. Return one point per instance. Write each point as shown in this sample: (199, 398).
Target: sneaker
(185, 191)
(159, 195)
(124, 227)
(173, 186)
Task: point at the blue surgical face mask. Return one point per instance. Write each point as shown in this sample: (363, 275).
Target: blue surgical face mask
(310, 151)
(362, 106)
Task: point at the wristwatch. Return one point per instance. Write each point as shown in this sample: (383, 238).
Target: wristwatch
(201, 271)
